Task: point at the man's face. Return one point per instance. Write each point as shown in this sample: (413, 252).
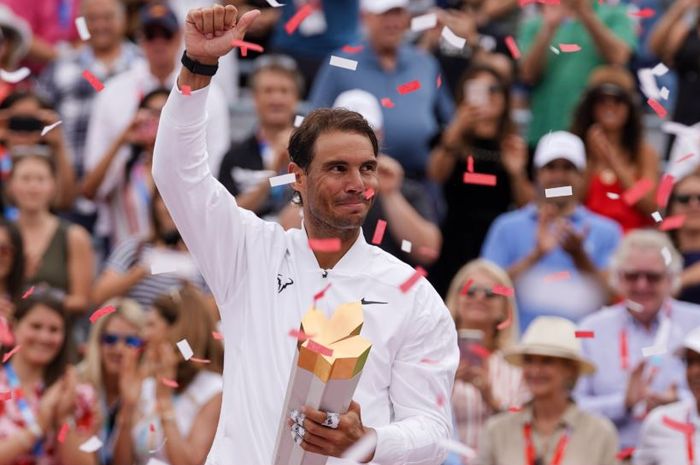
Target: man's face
(643, 278)
(692, 372)
(333, 190)
(559, 173)
(159, 45)
(386, 31)
(106, 22)
(276, 98)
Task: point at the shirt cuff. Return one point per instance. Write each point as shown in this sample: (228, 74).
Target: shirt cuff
(187, 110)
(390, 447)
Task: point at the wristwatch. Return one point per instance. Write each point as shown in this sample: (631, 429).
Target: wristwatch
(196, 67)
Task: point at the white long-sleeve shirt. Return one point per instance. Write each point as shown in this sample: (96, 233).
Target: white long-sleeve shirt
(659, 444)
(264, 280)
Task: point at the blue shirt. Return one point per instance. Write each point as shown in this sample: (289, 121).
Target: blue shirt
(416, 117)
(342, 28)
(604, 391)
(513, 236)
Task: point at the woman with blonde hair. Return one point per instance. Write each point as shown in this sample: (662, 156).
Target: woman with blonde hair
(172, 414)
(109, 338)
(487, 323)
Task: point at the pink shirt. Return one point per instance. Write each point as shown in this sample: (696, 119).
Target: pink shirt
(50, 20)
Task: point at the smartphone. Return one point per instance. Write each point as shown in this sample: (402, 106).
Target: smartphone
(467, 340)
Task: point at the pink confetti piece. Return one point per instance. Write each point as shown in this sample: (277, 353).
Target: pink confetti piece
(466, 287)
(558, 276)
(429, 361)
(319, 349)
(352, 48)
(63, 433)
(410, 282)
(408, 87)
(625, 453)
(369, 193)
(217, 335)
(664, 191)
(440, 400)
(92, 79)
(672, 222)
(28, 292)
(299, 334)
(657, 107)
(101, 312)
(171, 383)
(480, 351)
(438, 81)
(480, 179)
(685, 428)
(245, 46)
(635, 193)
(6, 337)
(584, 334)
(325, 245)
(503, 290)
(379, 232)
(570, 48)
(186, 90)
(8, 355)
(470, 164)
(199, 360)
(301, 14)
(427, 252)
(514, 409)
(387, 103)
(513, 47)
(319, 295)
(685, 157)
(152, 428)
(5, 395)
(643, 13)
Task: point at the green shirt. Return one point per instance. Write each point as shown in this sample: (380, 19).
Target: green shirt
(554, 97)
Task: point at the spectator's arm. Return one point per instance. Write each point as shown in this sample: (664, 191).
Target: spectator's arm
(12, 447)
(123, 444)
(41, 51)
(80, 268)
(112, 283)
(441, 163)
(535, 59)
(524, 264)
(494, 9)
(193, 449)
(69, 450)
(670, 32)
(613, 49)
(648, 169)
(95, 177)
(64, 172)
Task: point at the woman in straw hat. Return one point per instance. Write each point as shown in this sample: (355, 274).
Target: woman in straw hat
(551, 429)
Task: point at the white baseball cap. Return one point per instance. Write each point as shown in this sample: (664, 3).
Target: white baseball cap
(560, 144)
(691, 341)
(364, 103)
(382, 6)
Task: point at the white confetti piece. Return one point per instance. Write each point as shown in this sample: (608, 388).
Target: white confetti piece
(664, 92)
(659, 70)
(283, 179)
(612, 195)
(81, 26)
(153, 451)
(657, 217)
(91, 445)
(648, 84)
(457, 447)
(406, 246)
(452, 38)
(678, 129)
(274, 3)
(563, 191)
(634, 306)
(653, 350)
(13, 77)
(554, 49)
(163, 267)
(345, 63)
(49, 128)
(667, 255)
(423, 22)
(298, 119)
(185, 349)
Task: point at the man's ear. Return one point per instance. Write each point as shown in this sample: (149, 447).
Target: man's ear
(299, 174)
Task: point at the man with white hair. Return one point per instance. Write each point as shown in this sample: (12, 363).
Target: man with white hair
(633, 341)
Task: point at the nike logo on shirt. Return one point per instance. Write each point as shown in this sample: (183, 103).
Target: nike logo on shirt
(371, 302)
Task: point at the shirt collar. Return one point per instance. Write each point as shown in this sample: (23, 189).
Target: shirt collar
(355, 258)
(567, 419)
(632, 321)
(402, 56)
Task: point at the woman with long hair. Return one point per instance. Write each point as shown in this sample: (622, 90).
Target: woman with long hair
(51, 397)
(685, 200)
(482, 139)
(172, 414)
(608, 120)
(487, 324)
(109, 338)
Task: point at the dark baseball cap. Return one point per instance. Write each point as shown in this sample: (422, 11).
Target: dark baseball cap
(158, 14)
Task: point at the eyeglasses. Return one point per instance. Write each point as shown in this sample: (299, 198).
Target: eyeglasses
(153, 33)
(652, 277)
(111, 339)
(488, 293)
(684, 199)
(275, 60)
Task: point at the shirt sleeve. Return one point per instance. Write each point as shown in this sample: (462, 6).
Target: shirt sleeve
(609, 242)
(528, 32)
(218, 127)
(494, 248)
(210, 223)
(420, 419)
(123, 256)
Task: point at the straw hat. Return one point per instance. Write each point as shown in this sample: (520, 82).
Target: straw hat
(612, 76)
(550, 337)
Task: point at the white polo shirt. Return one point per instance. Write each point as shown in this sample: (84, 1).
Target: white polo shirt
(660, 444)
(264, 280)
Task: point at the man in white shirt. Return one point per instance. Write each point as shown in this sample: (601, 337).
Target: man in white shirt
(264, 279)
(669, 435)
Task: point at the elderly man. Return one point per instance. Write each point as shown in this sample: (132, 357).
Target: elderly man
(264, 280)
(634, 340)
(412, 118)
(664, 442)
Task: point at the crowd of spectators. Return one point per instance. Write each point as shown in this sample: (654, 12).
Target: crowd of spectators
(541, 159)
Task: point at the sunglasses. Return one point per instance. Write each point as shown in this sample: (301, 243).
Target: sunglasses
(652, 277)
(617, 99)
(153, 33)
(488, 293)
(111, 339)
(684, 199)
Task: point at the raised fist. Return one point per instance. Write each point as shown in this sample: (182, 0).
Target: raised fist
(209, 32)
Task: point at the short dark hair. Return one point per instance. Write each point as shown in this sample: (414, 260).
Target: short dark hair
(303, 139)
(281, 64)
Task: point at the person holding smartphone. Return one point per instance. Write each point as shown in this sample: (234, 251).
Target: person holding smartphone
(487, 324)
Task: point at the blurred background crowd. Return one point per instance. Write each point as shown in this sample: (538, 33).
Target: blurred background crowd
(577, 312)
